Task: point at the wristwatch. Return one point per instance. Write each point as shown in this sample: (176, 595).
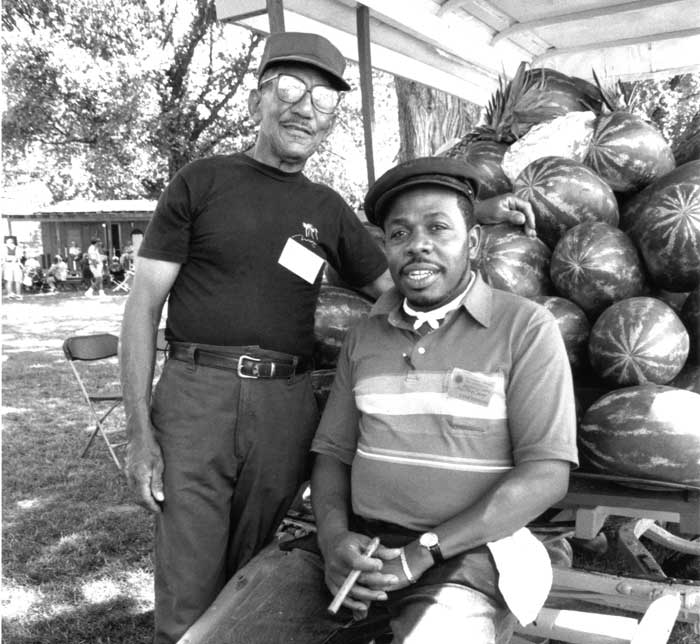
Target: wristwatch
(431, 542)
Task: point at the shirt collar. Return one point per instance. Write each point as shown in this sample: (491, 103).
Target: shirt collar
(476, 301)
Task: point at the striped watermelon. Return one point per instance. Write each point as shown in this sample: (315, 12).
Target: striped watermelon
(690, 316)
(564, 193)
(595, 264)
(664, 222)
(573, 325)
(649, 432)
(511, 261)
(627, 152)
(636, 341)
(337, 310)
(486, 158)
(688, 146)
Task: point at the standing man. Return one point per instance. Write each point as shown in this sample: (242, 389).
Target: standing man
(95, 260)
(12, 268)
(237, 243)
(450, 426)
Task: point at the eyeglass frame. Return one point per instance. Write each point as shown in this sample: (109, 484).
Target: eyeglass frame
(308, 90)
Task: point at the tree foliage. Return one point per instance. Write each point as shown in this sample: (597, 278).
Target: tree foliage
(109, 100)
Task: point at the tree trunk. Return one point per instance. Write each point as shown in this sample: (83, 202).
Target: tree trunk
(429, 118)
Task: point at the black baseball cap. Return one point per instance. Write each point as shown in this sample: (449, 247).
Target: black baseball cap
(442, 171)
(309, 49)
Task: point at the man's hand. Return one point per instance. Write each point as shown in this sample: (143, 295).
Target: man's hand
(507, 208)
(144, 471)
(344, 555)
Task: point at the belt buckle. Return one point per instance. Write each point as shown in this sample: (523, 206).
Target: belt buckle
(239, 369)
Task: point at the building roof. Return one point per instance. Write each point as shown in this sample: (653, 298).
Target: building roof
(86, 206)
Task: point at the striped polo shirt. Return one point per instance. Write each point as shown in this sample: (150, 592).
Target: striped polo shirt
(428, 423)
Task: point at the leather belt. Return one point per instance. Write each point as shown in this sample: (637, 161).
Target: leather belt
(245, 365)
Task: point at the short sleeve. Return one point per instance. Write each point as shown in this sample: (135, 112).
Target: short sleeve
(541, 408)
(167, 235)
(360, 258)
(338, 430)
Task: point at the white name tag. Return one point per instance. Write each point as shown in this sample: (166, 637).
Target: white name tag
(301, 261)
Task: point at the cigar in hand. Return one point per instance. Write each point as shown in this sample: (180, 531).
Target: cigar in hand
(350, 580)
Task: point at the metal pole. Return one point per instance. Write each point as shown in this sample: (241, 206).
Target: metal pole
(365, 61)
(275, 14)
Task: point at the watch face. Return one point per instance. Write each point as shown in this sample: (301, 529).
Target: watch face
(428, 540)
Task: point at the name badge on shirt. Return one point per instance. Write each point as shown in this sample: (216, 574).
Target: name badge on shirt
(469, 386)
(301, 261)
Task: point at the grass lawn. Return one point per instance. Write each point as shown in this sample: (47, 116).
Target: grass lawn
(76, 551)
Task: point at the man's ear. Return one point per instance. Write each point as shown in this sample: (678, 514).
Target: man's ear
(254, 99)
(474, 242)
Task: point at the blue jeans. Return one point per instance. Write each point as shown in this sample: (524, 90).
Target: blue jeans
(236, 452)
(280, 597)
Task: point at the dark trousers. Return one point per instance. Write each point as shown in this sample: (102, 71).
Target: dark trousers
(235, 451)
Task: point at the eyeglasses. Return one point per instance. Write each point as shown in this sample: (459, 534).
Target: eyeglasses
(291, 89)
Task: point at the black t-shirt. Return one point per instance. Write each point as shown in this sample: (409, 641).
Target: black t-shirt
(226, 220)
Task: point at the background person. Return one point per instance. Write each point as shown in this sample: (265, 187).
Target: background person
(12, 268)
(450, 426)
(95, 261)
(57, 273)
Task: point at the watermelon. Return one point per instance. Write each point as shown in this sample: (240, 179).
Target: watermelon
(649, 432)
(573, 326)
(637, 341)
(595, 264)
(690, 316)
(509, 260)
(688, 378)
(674, 300)
(688, 145)
(564, 193)
(546, 94)
(566, 136)
(632, 204)
(486, 158)
(337, 310)
(627, 152)
(664, 222)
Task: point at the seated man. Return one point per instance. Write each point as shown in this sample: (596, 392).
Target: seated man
(450, 426)
(56, 274)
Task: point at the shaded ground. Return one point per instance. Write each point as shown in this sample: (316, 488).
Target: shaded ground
(76, 550)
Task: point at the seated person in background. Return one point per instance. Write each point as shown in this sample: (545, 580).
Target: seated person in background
(57, 273)
(450, 426)
(33, 274)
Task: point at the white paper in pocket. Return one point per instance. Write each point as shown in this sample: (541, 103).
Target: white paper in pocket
(301, 261)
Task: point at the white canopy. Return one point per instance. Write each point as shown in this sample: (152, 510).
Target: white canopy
(461, 46)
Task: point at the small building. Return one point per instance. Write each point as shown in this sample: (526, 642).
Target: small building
(76, 222)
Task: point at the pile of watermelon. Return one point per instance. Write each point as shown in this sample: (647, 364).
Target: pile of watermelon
(616, 261)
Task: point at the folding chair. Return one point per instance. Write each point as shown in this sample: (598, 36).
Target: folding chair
(91, 348)
(124, 285)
